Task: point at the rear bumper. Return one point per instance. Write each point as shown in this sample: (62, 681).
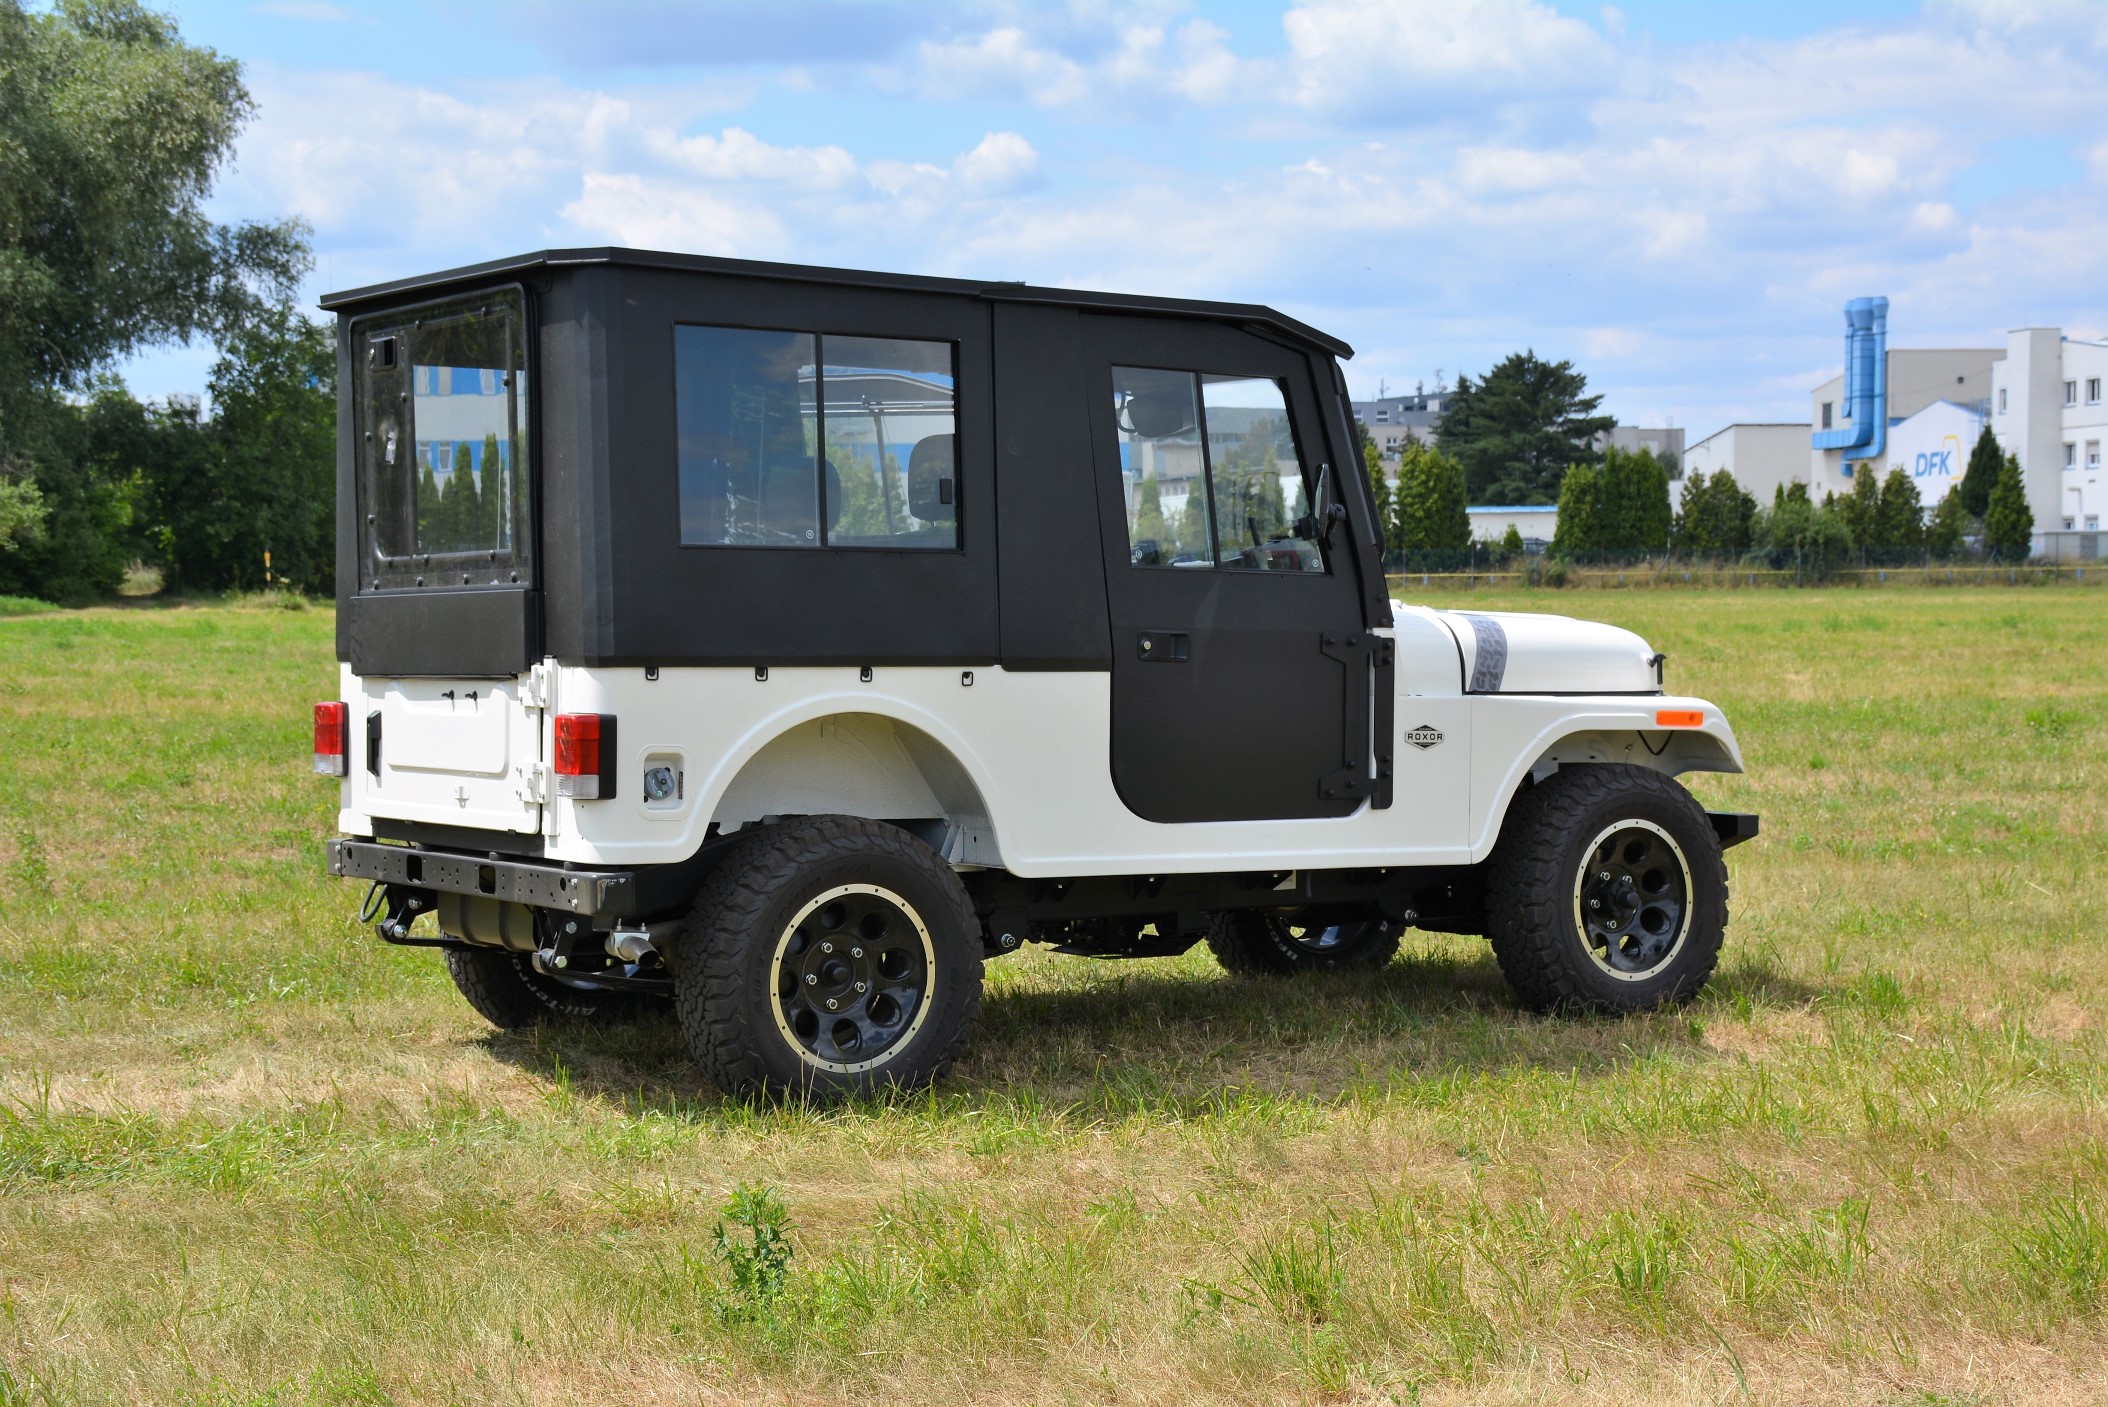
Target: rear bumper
(619, 893)
(1733, 827)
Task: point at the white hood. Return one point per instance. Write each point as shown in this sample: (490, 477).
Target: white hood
(1507, 652)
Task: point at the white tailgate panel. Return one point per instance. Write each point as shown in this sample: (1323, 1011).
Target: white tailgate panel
(454, 752)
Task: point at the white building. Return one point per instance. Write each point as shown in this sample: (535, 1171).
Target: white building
(2047, 411)
(1535, 521)
(1761, 457)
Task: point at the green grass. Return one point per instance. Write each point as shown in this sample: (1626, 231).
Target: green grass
(248, 1154)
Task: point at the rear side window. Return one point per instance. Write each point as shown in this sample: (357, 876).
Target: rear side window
(800, 439)
(441, 399)
(1211, 472)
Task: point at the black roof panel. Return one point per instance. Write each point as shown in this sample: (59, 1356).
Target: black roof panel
(351, 300)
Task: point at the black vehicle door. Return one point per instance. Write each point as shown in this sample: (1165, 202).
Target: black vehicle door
(1241, 676)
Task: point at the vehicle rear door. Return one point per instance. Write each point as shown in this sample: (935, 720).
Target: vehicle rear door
(1241, 675)
(446, 722)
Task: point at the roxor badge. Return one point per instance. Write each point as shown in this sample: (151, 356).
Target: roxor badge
(1424, 737)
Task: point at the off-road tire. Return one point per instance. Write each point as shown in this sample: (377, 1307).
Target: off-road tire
(1531, 888)
(724, 962)
(506, 991)
(1253, 944)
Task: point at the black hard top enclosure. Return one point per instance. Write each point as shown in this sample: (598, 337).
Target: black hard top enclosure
(1026, 587)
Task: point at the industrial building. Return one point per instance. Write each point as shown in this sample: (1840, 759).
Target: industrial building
(1922, 410)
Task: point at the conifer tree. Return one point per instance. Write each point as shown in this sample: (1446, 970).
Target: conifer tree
(429, 508)
(1430, 506)
(1949, 525)
(1511, 543)
(1149, 514)
(1861, 508)
(1580, 528)
(1977, 480)
(1899, 525)
(2009, 524)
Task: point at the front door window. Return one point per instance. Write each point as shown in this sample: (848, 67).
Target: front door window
(1211, 473)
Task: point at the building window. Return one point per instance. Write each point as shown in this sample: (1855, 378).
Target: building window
(2001, 400)
(2093, 454)
(2093, 390)
(1826, 414)
(2067, 525)
(2071, 455)
(2093, 522)
(2071, 393)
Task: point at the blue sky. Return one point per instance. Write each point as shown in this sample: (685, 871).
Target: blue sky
(1678, 196)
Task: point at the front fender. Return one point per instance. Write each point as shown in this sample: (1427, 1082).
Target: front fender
(1513, 736)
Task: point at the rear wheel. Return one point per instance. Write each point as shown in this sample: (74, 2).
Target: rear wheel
(1259, 944)
(827, 957)
(504, 988)
(1607, 892)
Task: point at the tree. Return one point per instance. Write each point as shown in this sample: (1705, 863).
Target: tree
(1511, 543)
(1431, 514)
(1861, 508)
(1798, 535)
(2009, 524)
(1717, 518)
(1149, 514)
(111, 133)
(1579, 530)
(1899, 525)
(1950, 524)
(21, 513)
(1516, 431)
(1379, 484)
(1633, 514)
(1984, 463)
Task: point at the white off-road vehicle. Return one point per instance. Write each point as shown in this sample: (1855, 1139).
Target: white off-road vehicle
(785, 641)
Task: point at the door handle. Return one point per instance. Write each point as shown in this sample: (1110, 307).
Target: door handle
(1164, 647)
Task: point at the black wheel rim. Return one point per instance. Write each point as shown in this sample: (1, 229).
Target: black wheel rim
(852, 977)
(1632, 899)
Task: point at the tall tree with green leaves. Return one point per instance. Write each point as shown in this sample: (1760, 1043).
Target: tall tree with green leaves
(1516, 431)
(112, 131)
(1985, 460)
(1579, 530)
(1633, 514)
(1861, 508)
(1717, 518)
(269, 484)
(1949, 525)
(2009, 524)
(1899, 523)
(1430, 502)
(1379, 483)
(1149, 513)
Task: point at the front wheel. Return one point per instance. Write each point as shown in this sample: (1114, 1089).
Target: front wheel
(827, 957)
(1253, 944)
(1607, 892)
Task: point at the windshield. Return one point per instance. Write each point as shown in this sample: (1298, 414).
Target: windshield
(442, 445)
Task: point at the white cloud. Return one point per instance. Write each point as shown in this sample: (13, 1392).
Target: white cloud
(1003, 161)
(1137, 64)
(1420, 60)
(738, 155)
(624, 208)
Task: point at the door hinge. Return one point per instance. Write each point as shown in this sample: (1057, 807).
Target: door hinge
(1369, 661)
(537, 783)
(535, 692)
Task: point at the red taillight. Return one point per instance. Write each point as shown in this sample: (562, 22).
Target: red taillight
(330, 751)
(585, 756)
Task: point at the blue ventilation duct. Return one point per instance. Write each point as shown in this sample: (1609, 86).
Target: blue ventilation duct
(1866, 384)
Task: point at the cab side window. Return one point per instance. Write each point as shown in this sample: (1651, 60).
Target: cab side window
(797, 439)
(1211, 472)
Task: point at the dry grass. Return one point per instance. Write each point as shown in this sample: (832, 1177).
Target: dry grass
(249, 1155)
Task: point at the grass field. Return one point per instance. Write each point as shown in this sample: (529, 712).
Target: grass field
(248, 1154)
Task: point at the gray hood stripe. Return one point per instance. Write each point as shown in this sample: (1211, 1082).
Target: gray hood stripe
(1491, 661)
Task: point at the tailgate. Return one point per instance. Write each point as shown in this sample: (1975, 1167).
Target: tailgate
(454, 752)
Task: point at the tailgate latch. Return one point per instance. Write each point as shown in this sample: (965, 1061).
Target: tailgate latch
(534, 693)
